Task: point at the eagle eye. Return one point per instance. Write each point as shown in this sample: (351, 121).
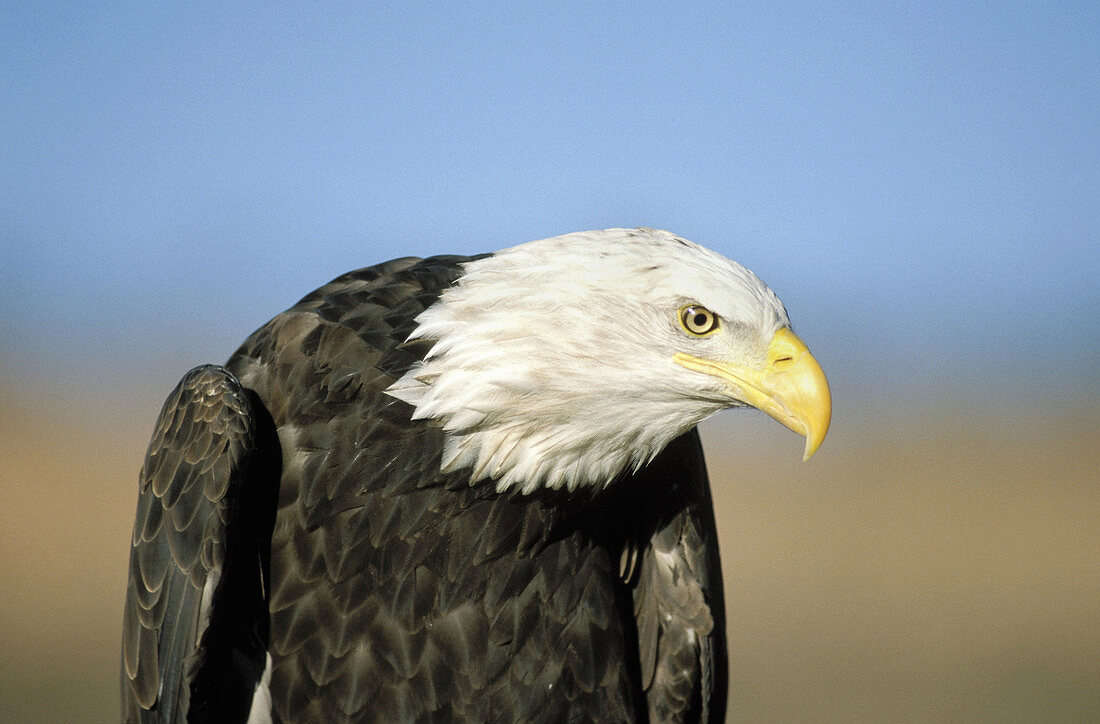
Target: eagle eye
(698, 320)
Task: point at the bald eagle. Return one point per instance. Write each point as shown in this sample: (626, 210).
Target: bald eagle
(460, 488)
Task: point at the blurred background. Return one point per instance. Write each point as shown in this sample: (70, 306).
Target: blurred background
(920, 184)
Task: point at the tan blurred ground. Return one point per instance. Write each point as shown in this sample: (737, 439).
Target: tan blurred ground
(940, 568)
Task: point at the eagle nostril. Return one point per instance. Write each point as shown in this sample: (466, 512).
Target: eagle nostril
(783, 361)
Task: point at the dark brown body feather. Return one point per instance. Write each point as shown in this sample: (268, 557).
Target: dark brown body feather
(397, 593)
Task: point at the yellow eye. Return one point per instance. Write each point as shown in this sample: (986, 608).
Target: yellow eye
(698, 320)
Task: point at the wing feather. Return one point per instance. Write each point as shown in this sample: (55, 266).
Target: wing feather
(203, 450)
(678, 603)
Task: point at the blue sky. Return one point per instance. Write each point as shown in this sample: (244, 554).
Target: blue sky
(919, 182)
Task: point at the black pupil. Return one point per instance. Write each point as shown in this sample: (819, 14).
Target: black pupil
(700, 319)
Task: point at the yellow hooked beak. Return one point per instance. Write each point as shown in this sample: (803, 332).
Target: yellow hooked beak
(791, 387)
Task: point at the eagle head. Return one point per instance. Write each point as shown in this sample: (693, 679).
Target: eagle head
(564, 362)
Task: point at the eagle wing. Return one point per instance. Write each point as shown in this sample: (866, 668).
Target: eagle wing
(198, 560)
(678, 603)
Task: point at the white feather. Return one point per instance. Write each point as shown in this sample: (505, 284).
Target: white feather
(260, 710)
(553, 360)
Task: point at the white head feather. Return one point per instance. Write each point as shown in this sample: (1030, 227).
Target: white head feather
(553, 360)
